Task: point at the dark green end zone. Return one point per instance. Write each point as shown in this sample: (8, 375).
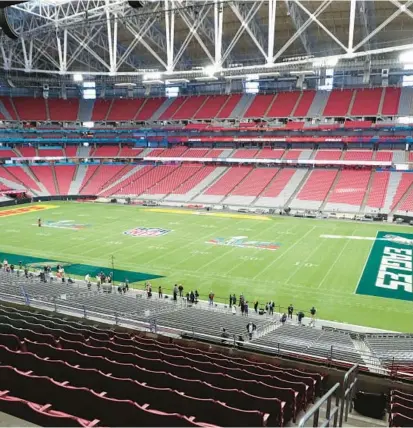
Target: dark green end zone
(388, 272)
(77, 269)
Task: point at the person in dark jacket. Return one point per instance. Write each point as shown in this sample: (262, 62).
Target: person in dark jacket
(283, 318)
(251, 327)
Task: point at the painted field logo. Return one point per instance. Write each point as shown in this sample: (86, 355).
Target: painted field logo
(147, 232)
(25, 210)
(241, 242)
(64, 224)
(389, 268)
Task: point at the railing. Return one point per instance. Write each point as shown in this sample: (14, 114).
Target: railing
(151, 323)
(348, 392)
(331, 413)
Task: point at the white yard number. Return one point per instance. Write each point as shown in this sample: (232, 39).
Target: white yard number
(307, 265)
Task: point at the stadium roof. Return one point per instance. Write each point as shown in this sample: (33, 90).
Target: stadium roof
(204, 39)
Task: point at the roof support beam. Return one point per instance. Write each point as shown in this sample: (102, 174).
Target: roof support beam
(320, 24)
(218, 25)
(394, 15)
(247, 18)
(272, 10)
(351, 25)
(306, 24)
(298, 20)
(170, 32)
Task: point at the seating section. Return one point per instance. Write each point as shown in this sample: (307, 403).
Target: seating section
(194, 180)
(44, 174)
(405, 182)
(283, 104)
(18, 175)
(30, 108)
(378, 190)
(304, 104)
(124, 109)
(127, 186)
(211, 107)
(401, 409)
(338, 103)
(367, 102)
(63, 110)
(105, 151)
(229, 180)
(66, 375)
(255, 182)
(27, 151)
(317, 185)
(149, 108)
(259, 106)
(7, 153)
(194, 153)
(391, 102)
(100, 109)
(101, 175)
(173, 152)
(328, 154)
(244, 154)
(174, 180)
(350, 188)
(50, 152)
(358, 155)
(64, 176)
(173, 108)
(189, 107)
(277, 185)
(229, 106)
(268, 153)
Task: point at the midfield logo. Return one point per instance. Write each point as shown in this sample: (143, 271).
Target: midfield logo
(241, 242)
(147, 232)
(64, 224)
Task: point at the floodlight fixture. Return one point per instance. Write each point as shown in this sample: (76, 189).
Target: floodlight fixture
(406, 57)
(77, 77)
(210, 70)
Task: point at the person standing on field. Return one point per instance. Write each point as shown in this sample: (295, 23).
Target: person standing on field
(290, 311)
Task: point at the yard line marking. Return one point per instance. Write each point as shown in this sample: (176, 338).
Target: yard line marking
(284, 253)
(364, 266)
(334, 263)
(301, 266)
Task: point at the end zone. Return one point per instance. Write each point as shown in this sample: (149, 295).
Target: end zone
(24, 210)
(389, 268)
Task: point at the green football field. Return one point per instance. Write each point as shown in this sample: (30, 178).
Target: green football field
(305, 262)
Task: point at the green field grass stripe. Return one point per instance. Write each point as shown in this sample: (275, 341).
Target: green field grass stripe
(77, 269)
(388, 272)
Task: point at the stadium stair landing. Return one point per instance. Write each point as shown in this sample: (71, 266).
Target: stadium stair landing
(393, 184)
(303, 180)
(85, 110)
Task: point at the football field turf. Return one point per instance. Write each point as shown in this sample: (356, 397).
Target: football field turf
(305, 262)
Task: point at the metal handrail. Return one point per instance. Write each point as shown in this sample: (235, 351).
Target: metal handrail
(348, 392)
(330, 412)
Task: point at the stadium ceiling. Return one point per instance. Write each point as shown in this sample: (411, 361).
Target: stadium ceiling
(204, 39)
